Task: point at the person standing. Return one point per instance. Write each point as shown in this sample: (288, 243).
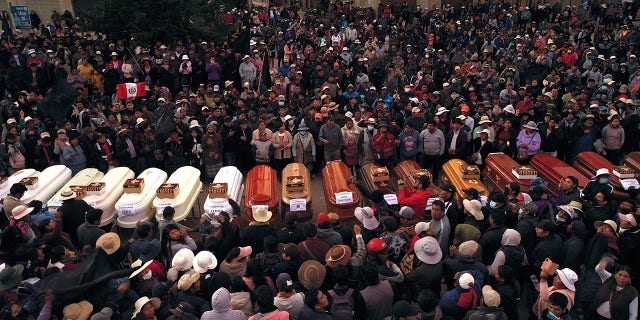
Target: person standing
(331, 136)
(304, 147)
(74, 156)
(384, 145)
(282, 142)
(433, 147)
(528, 142)
(613, 139)
(409, 141)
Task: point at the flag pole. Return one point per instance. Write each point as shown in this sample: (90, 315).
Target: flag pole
(134, 58)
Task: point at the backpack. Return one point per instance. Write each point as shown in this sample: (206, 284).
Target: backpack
(16, 160)
(342, 306)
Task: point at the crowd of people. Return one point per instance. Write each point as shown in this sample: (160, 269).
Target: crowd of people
(352, 84)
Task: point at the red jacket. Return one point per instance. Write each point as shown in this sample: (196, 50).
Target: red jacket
(416, 200)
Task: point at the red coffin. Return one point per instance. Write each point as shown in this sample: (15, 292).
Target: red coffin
(334, 181)
(632, 160)
(262, 189)
(499, 172)
(552, 169)
(407, 169)
(589, 162)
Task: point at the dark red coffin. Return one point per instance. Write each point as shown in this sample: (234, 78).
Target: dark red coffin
(632, 160)
(409, 170)
(378, 178)
(499, 172)
(552, 169)
(589, 162)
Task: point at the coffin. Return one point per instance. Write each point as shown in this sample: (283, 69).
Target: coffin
(77, 183)
(341, 197)
(50, 181)
(296, 187)
(502, 170)
(455, 176)
(409, 170)
(230, 179)
(134, 207)
(632, 160)
(262, 189)
(589, 162)
(552, 169)
(104, 193)
(188, 186)
(375, 177)
(6, 184)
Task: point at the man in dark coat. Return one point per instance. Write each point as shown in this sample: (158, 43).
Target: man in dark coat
(491, 240)
(72, 214)
(549, 246)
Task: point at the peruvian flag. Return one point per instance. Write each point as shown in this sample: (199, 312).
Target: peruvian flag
(131, 90)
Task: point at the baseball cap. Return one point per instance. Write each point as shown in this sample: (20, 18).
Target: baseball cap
(376, 245)
(322, 218)
(406, 212)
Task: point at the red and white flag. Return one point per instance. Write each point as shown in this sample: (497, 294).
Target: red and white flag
(131, 90)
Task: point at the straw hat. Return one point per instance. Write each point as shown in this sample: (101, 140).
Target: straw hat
(109, 242)
(338, 255)
(474, 207)
(262, 215)
(67, 194)
(610, 223)
(20, 212)
(183, 259)
(188, 279)
(140, 269)
(484, 119)
(78, 311)
(142, 301)
(204, 261)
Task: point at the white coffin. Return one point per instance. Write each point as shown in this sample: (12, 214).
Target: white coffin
(50, 181)
(82, 178)
(113, 181)
(189, 186)
(233, 177)
(134, 207)
(15, 178)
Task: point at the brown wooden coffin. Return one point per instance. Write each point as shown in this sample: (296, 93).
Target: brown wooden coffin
(334, 182)
(378, 178)
(453, 174)
(262, 189)
(589, 162)
(499, 172)
(632, 160)
(409, 170)
(552, 170)
(296, 184)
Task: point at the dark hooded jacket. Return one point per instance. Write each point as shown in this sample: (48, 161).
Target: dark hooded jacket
(573, 249)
